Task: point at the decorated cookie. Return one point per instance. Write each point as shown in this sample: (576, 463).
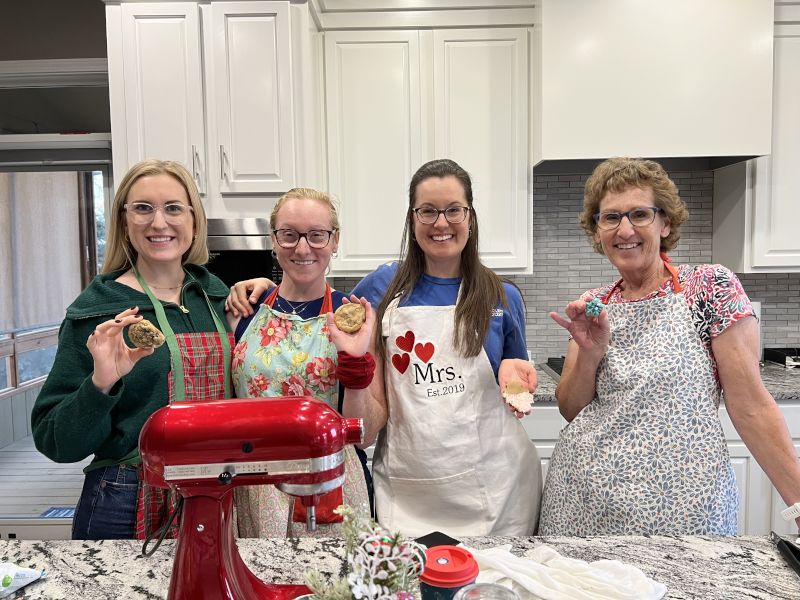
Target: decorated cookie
(350, 317)
(518, 397)
(594, 307)
(145, 335)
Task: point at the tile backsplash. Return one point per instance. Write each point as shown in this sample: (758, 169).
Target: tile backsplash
(565, 264)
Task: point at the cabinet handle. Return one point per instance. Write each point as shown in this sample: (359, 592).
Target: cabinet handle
(196, 168)
(222, 157)
(194, 163)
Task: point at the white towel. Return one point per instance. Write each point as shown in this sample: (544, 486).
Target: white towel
(543, 574)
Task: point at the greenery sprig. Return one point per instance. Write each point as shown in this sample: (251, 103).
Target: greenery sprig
(381, 565)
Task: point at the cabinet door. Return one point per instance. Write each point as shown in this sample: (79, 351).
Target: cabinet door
(372, 95)
(777, 178)
(480, 90)
(161, 83)
(251, 91)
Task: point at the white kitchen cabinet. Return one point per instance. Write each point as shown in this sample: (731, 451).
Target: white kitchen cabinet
(251, 96)
(209, 85)
(373, 102)
(156, 85)
(396, 99)
(756, 203)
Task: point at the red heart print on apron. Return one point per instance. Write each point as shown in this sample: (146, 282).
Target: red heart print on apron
(424, 351)
(406, 342)
(401, 362)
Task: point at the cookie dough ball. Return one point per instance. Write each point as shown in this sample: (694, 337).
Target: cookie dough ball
(145, 335)
(518, 397)
(350, 317)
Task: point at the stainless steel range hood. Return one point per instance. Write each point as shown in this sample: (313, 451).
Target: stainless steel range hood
(238, 234)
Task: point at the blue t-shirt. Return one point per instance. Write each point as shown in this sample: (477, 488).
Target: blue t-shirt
(506, 335)
(308, 311)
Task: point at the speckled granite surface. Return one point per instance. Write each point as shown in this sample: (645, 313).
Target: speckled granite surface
(710, 568)
(782, 383)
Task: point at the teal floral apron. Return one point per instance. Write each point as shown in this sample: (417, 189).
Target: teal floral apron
(285, 355)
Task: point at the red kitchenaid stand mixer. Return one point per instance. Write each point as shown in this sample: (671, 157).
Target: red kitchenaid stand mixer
(203, 450)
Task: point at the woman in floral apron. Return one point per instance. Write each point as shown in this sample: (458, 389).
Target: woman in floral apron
(100, 390)
(292, 347)
(644, 451)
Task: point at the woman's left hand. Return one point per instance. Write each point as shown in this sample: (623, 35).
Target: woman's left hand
(358, 343)
(512, 369)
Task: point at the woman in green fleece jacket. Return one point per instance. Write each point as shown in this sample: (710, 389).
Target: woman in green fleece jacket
(100, 390)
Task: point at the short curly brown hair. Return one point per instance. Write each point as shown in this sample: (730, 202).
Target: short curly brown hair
(620, 173)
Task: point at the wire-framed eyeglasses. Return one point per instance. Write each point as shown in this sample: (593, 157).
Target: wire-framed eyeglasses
(638, 217)
(316, 238)
(143, 213)
(428, 215)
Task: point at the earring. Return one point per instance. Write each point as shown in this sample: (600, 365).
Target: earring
(335, 254)
(273, 253)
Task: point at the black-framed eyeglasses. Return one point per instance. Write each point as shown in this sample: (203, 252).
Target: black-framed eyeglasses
(428, 215)
(639, 217)
(316, 238)
(143, 213)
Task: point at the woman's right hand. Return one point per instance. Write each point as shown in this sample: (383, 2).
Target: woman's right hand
(244, 294)
(113, 358)
(591, 334)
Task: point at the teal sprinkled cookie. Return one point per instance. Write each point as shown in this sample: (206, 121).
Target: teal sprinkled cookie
(594, 307)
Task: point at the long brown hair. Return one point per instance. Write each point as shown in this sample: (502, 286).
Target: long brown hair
(120, 253)
(481, 289)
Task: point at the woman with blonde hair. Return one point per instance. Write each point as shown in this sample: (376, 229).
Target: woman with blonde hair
(292, 346)
(101, 390)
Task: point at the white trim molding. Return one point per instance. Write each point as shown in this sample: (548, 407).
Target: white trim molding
(68, 72)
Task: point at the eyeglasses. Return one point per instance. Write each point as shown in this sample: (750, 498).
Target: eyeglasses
(639, 217)
(427, 215)
(143, 213)
(316, 238)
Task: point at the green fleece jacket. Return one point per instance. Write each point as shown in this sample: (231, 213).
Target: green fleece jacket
(71, 418)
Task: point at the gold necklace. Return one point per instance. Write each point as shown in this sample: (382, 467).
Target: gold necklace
(152, 287)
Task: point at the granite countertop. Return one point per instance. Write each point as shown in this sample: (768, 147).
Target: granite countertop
(690, 566)
(782, 383)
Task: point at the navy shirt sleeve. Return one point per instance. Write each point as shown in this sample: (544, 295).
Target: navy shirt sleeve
(514, 345)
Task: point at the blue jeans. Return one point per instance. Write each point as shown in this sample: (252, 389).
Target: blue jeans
(107, 507)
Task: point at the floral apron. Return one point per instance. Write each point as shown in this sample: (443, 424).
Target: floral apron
(452, 457)
(647, 455)
(285, 355)
(200, 370)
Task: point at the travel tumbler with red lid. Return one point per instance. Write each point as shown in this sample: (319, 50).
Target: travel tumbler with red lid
(447, 569)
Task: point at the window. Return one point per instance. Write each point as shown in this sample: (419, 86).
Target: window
(52, 237)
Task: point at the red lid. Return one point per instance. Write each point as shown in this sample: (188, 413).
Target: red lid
(449, 566)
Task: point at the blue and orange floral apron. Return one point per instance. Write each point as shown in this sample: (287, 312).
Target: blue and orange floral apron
(285, 355)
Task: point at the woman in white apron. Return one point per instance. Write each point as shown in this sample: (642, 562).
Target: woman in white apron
(644, 452)
(292, 347)
(452, 456)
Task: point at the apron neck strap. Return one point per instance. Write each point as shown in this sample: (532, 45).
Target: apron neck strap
(676, 284)
(178, 383)
(327, 302)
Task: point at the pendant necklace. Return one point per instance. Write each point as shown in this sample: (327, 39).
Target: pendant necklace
(300, 306)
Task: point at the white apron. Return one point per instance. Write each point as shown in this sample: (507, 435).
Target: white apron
(647, 455)
(452, 457)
